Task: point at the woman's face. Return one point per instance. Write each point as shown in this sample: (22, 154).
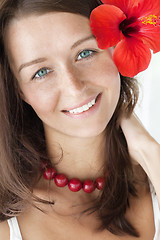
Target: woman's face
(72, 85)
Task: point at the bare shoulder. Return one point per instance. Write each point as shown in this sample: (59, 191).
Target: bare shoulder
(4, 231)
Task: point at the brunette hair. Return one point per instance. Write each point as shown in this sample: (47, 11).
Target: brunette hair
(22, 145)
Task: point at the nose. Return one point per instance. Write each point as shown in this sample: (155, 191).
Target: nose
(72, 81)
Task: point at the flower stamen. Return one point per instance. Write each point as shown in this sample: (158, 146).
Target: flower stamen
(152, 20)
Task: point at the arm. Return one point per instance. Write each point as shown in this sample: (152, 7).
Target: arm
(143, 149)
(4, 231)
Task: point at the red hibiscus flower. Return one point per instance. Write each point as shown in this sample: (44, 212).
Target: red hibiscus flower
(133, 26)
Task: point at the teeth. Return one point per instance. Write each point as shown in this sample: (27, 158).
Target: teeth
(90, 105)
(80, 110)
(83, 108)
(93, 101)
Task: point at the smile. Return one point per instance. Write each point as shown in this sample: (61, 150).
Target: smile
(84, 107)
(85, 110)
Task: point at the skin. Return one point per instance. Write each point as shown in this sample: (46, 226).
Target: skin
(70, 82)
(143, 149)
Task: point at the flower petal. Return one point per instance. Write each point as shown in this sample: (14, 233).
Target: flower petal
(105, 21)
(131, 56)
(146, 8)
(125, 5)
(150, 36)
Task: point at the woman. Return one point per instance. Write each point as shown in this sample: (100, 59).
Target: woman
(66, 114)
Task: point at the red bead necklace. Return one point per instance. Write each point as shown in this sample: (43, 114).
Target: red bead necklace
(74, 184)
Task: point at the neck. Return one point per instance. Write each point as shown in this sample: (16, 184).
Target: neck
(77, 157)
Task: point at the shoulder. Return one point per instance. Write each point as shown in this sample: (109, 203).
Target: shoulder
(4, 230)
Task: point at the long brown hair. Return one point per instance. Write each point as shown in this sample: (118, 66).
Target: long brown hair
(22, 146)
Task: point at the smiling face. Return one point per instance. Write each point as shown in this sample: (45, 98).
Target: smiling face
(72, 85)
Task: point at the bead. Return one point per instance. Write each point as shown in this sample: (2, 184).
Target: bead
(75, 185)
(61, 180)
(49, 173)
(88, 186)
(100, 183)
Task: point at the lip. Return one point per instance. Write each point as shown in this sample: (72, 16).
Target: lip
(87, 113)
(81, 104)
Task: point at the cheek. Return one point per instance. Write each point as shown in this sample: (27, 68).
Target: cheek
(41, 101)
(105, 75)
(103, 72)
(108, 72)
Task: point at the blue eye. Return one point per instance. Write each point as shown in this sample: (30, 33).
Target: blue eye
(41, 73)
(85, 54)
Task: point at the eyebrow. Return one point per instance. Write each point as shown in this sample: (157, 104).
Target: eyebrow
(82, 40)
(40, 60)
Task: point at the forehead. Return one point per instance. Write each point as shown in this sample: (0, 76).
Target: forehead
(58, 25)
(57, 19)
(59, 28)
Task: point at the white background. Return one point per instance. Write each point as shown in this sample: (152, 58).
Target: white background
(148, 108)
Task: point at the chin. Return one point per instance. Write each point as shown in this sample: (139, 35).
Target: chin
(91, 131)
